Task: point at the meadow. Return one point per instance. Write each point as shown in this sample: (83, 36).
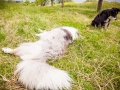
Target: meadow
(93, 62)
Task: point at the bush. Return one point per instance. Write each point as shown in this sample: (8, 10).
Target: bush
(70, 4)
(27, 2)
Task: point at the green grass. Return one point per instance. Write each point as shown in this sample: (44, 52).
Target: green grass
(92, 62)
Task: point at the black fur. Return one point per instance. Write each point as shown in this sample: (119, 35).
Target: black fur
(68, 36)
(103, 19)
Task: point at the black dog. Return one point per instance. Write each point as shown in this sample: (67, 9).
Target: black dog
(103, 19)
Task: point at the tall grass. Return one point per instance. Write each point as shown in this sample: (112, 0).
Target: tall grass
(92, 62)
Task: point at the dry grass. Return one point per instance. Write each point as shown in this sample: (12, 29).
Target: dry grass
(93, 62)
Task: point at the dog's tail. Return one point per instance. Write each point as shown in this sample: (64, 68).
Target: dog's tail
(40, 75)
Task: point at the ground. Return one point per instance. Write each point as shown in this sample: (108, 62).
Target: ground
(92, 62)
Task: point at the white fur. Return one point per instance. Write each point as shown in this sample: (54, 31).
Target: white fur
(33, 71)
(40, 75)
(7, 50)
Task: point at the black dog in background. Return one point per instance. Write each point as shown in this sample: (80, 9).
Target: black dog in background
(103, 18)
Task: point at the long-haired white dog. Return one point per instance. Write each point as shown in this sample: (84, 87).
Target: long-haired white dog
(33, 71)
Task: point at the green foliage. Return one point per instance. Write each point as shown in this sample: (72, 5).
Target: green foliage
(41, 2)
(93, 62)
(32, 4)
(27, 2)
(59, 1)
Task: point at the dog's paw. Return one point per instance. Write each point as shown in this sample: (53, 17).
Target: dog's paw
(7, 50)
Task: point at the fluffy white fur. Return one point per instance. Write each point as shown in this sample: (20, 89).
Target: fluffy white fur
(33, 71)
(40, 75)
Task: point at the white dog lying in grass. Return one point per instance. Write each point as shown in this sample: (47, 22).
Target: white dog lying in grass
(33, 71)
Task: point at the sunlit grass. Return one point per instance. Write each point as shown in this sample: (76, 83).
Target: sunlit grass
(92, 62)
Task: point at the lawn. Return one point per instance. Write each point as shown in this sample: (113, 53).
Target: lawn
(92, 62)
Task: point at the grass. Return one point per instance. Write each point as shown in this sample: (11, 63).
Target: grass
(93, 62)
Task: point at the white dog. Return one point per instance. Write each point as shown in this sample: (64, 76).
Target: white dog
(33, 71)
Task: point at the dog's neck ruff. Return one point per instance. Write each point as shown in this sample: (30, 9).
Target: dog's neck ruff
(108, 20)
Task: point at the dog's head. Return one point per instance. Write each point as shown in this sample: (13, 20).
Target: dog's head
(113, 13)
(68, 33)
(73, 32)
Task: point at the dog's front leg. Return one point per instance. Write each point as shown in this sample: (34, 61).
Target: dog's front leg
(106, 26)
(9, 50)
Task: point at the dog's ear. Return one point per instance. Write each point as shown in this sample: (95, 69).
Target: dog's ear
(68, 36)
(117, 9)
